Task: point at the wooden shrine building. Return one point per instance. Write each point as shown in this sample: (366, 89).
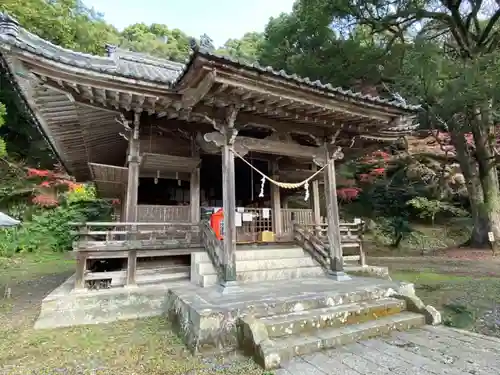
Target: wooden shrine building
(168, 139)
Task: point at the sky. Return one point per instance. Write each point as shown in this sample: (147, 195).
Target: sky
(220, 19)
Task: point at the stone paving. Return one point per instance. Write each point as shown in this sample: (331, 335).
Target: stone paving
(424, 351)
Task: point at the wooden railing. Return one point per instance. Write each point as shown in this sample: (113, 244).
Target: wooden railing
(254, 221)
(112, 237)
(316, 238)
(212, 245)
(291, 216)
(305, 237)
(158, 214)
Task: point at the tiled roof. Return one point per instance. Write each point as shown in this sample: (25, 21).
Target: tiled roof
(307, 81)
(128, 65)
(152, 69)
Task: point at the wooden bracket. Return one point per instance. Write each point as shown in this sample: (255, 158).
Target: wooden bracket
(192, 96)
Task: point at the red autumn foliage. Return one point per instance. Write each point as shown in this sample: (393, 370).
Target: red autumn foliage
(348, 194)
(381, 154)
(45, 200)
(39, 173)
(50, 180)
(377, 171)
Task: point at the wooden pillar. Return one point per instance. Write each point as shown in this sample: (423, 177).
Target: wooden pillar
(332, 211)
(132, 192)
(194, 189)
(276, 201)
(228, 131)
(316, 206)
(229, 207)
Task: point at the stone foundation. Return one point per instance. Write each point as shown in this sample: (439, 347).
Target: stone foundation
(368, 271)
(65, 307)
(210, 322)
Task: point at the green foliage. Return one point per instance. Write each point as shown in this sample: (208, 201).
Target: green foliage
(246, 49)
(156, 39)
(81, 193)
(458, 316)
(49, 229)
(395, 229)
(429, 208)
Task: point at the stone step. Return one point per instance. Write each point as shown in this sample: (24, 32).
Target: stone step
(207, 268)
(331, 317)
(271, 353)
(266, 275)
(249, 253)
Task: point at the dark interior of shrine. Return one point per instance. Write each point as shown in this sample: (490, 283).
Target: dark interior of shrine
(176, 192)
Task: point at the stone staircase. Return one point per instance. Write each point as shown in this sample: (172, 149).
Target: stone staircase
(311, 327)
(262, 263)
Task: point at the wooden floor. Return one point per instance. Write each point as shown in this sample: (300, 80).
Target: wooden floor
(427, 351)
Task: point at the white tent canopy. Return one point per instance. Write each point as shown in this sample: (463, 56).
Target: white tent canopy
(7, 221)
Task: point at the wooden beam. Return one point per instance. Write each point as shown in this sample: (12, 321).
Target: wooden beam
(192, 96)
(63, 72)
(274, 82)
(183, 176)
(278, 148)
(317, 101)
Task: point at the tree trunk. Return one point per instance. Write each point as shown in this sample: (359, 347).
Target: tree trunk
(484, 139)
(479, 235)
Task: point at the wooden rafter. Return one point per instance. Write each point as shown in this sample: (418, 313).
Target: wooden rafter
(192, 96)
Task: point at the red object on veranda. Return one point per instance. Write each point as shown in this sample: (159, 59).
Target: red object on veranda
(217, 223)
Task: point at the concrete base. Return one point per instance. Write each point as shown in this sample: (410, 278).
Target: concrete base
(338, 276)
(66, 306)
(230, 287)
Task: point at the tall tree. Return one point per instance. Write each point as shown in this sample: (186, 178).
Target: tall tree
(457, 83)
(246, 49)
(156, 39)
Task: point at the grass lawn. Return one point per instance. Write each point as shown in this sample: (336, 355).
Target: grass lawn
(465, 301)
(149, 346)
(29, 266)
(146, 346)
(139, 347)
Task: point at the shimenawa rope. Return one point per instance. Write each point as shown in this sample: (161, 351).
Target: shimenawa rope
(284, 185)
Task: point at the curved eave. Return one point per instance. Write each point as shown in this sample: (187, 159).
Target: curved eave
(28, 108)
(129, 66)
(58, 69)
(293, 81)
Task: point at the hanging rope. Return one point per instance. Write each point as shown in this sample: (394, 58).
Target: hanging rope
(284, 185)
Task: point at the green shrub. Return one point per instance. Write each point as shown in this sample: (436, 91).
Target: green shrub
(49, 229)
